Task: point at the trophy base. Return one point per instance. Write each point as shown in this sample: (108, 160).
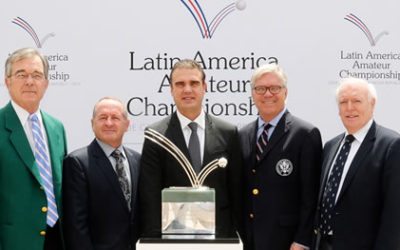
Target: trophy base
(188, 236)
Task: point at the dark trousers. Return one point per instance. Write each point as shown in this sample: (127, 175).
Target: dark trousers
(52, 239)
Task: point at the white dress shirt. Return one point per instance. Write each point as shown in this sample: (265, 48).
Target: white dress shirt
(201, 129)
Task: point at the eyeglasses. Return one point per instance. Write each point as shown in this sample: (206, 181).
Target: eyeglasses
(24, 76)
(261, 90)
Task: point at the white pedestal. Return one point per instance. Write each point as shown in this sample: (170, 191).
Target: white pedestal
(192, 244)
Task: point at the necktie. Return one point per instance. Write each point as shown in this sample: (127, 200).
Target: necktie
(44, 165)
(262, 142)
(194, 147)
(332, 186)
(122, 177)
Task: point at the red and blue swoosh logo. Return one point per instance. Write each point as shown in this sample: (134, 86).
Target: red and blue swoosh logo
(207, 28)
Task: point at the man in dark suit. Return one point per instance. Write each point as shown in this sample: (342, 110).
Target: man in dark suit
(359, 205)
(216, 139)
(100, 183)
(32, 147)
(282, 155)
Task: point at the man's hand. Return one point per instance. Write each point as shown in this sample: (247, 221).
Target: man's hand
(296, 246)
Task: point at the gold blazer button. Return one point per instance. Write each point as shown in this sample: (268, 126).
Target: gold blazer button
(255, 191)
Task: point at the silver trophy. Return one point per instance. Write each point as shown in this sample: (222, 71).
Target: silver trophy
(187, 211)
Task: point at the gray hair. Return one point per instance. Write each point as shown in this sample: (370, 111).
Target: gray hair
(269, 68)
(25, 53)
(372, 95)
(124, 111)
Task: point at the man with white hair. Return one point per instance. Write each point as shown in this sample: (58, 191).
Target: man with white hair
(359, 205)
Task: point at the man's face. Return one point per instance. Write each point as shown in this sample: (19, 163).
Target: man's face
(355, 109)
(109, 124)
(188, 90)
(27, 83)
(268, 104)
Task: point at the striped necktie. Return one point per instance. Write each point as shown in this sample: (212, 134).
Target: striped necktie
(44, 165)
(262, 142)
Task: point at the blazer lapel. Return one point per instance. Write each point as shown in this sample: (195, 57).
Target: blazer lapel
(209, 140)
(280, 130)
(251, 136)
(104, 164)
(327, 165)
(211, 144)
(360, 156)
(175, 134)
(54, 140)
(20, 141)
(133, 168)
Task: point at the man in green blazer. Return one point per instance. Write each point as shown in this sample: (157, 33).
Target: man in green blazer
(31, 155)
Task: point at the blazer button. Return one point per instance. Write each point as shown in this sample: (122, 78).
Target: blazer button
(42, 233)
(44, 209)
(255, 191)
(253, 171)
(251, 215)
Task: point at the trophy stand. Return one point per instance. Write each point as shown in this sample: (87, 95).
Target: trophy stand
(191, 244)
(188, 213)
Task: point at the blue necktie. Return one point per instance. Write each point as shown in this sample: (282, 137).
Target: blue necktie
(332, 186)
(44, 165)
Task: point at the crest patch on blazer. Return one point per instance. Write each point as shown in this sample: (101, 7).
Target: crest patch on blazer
(284, 167)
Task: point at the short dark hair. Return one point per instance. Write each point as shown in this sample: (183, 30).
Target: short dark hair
(187, 64)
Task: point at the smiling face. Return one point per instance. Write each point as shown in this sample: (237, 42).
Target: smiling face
(27, 83)
(188, 90)
(269, 105)
(356, 105)
(109, 122)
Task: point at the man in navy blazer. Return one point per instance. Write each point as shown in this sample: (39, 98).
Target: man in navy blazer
(366, 208)
(159, 169)
(98, 213)
(281, 178)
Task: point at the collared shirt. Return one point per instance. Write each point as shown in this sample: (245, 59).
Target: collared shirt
(355, 145)
(108, 150)
(273, 123)
(23, 117)
(201, 129)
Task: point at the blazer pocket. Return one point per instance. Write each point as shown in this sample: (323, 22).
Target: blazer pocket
(288, 220)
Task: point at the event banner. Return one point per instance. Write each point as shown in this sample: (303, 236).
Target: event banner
(126, 48)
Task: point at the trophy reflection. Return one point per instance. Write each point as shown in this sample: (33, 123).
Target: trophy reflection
(187, 212)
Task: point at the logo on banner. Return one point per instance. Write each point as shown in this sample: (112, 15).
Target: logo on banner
(58, 62)
(28, 28)
(206, 28)
(374, 64)
(361, 25)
